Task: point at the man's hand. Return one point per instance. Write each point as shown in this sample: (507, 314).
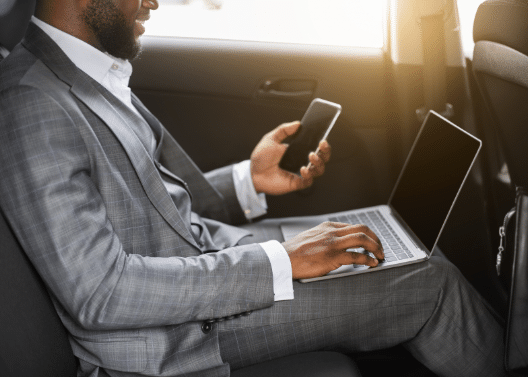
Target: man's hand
(321, 249)
(268, 178)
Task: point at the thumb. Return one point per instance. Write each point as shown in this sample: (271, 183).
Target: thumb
(285, 130)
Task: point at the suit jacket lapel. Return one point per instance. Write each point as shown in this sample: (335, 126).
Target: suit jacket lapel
(100, 102)
(176, 163)
(160, 132)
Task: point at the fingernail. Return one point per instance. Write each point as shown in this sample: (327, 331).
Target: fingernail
(375, 262)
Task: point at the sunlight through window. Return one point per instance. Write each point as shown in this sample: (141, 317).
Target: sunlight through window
(328, 22)
(466, 13)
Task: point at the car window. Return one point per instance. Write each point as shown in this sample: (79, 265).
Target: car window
(357, 23)
(466, 13)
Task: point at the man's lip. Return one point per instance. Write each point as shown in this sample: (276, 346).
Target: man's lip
(144, 18)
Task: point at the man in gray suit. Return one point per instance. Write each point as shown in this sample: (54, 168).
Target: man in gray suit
(139, 248)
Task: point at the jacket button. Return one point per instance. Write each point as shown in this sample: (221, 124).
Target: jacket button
(207, 327)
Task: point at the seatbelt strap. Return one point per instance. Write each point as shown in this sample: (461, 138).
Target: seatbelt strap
(434, 56)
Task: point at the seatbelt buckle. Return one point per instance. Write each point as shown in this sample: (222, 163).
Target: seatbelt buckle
(448, 113)
(502, 242)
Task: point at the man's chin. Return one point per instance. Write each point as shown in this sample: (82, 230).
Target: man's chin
(139, 29)
(127, 51)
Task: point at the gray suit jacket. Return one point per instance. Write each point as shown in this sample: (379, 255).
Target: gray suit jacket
(89, 207)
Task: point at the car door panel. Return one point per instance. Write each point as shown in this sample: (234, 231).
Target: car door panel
(218, 98)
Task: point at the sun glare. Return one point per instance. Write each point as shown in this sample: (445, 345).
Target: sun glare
(330, 22)
(357, 23)
(466, 12)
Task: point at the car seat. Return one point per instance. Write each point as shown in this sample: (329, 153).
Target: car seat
(500, 65)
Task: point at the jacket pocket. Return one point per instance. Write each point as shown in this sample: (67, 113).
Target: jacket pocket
(127, 355)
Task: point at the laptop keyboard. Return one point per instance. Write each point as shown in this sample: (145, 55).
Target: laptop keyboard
(393, 246)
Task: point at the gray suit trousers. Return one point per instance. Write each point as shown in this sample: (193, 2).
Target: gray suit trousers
(428, 307)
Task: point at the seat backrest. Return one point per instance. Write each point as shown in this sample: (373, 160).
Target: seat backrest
(500, 64)
(14, 19)
(33, 341)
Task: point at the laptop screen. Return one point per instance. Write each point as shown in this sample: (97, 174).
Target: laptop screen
(432, 177)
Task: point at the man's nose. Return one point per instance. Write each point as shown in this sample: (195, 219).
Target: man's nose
(150, 4)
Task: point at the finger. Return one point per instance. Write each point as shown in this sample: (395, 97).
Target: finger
(317, 165)
(282, 149)
(350, 257)
(299, 182)
(305, 173)
(307, 176)
(360, 228)
(335, 224)
(284, 130)
(361, 239)
(365, 229)
(325, 150)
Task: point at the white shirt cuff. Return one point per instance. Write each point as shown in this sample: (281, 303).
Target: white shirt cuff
(281, 268)
(253, 204)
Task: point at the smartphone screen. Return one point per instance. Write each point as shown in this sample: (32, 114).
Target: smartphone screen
(315, 126)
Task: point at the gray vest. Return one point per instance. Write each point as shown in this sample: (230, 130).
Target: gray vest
(209, 234)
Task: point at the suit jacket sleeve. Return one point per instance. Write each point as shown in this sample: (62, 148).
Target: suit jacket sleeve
(222, 180)
(59, 216)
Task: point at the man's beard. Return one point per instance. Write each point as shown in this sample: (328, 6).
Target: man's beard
(111, 28)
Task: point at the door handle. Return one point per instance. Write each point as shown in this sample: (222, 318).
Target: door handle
(302, 95)
(287, 89)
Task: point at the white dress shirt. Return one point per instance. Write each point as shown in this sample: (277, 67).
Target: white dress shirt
(114, 74)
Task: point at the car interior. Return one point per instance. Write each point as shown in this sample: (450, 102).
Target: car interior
(218, 97)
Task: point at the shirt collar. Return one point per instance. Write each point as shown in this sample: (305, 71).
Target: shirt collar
(87, 58)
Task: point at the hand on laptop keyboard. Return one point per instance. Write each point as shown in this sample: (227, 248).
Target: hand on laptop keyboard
(363, 251)
(322, 249)
(393, 247)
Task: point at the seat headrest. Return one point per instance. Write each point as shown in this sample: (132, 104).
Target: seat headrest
(504, 22)
(14, 20)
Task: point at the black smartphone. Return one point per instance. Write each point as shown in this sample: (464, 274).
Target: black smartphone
(315, 126)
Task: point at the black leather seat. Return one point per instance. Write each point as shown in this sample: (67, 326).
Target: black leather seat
(500, 64)
(14, 21)
(312, 364)
(33, 341)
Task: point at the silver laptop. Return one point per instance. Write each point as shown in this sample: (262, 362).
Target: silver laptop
(410, 225)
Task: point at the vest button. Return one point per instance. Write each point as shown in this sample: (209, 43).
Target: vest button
(207, 327)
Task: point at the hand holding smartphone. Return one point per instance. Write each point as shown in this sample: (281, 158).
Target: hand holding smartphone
(315, 126)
